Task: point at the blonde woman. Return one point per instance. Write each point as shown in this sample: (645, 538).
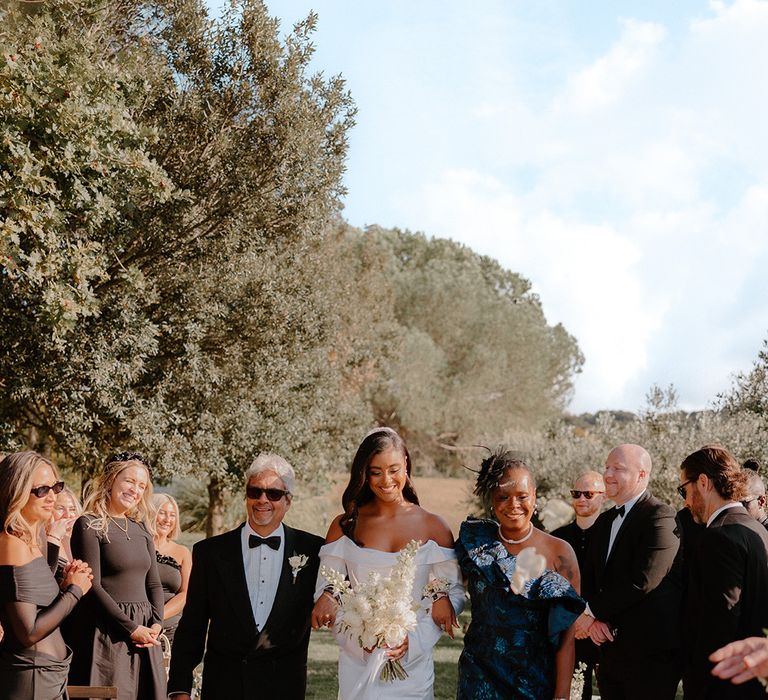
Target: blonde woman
(174, 561)
(122, 616)
(66, 510)
(34, 660)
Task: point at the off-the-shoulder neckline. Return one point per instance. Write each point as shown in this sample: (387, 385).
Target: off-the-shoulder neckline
(31, 561)
(428, 543)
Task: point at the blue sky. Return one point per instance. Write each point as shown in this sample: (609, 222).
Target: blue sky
(613, 152)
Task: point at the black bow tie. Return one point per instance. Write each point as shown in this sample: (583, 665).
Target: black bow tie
(255, 541)
(619, 512)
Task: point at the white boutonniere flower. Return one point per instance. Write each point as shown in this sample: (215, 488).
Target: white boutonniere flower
(297, 562)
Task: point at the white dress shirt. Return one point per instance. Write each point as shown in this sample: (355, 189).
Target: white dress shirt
(618, 521)
(262, 572)
(732, 504)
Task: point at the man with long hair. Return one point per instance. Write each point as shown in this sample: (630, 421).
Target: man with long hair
(727, 596)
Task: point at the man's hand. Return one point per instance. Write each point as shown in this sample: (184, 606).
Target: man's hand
(741, 661)
(582, 625)
(600, 632)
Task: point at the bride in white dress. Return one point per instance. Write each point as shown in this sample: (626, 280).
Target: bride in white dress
(381, 516)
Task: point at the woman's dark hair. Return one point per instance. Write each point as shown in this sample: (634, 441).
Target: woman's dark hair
(492, 468)
(729, 479)
(358, 493)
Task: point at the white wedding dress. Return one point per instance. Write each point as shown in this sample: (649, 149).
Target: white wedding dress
(358, 670)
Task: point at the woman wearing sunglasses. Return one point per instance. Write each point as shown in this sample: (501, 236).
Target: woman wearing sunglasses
(34, 660)
(121, 618)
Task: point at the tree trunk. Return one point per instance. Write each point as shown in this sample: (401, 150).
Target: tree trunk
(214, 523)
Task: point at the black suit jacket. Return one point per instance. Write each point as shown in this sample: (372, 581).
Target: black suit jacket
(637, 590)
(727, 599)
(240, 662)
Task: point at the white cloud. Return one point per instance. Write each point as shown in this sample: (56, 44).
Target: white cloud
(605, 81)
(643, 214)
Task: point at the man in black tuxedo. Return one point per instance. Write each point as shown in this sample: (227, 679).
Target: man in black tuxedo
(588, 496)
(727, 596)
(249, 600)
(631, 586)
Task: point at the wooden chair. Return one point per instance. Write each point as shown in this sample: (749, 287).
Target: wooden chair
(92, 691)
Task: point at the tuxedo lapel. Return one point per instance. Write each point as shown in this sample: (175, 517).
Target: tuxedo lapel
(601, 539)
(284, 585)
(233, 575)
(629, 520)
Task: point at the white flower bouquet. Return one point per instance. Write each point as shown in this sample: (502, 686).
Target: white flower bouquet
(380, 611)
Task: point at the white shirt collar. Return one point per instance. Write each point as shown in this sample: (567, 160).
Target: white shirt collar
(712, 517)
(248, 530)
(628, 505)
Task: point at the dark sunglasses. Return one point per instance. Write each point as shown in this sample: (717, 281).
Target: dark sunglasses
(681, 488)
(272, 494)
(587, 494)
(42, 491)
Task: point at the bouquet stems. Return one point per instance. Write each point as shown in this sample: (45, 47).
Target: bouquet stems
(393, 671)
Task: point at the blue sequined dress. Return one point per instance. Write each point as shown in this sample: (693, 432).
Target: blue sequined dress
(510, 646)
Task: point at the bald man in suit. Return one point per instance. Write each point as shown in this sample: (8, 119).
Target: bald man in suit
(632, 586)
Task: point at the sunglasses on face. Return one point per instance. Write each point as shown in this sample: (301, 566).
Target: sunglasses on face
(272, 494)
(681, 488)
(42, 491)
(587, 494)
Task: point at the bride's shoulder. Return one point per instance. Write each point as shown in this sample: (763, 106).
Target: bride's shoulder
(334, 530)
(435, 528)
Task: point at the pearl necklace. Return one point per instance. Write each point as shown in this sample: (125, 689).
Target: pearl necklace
(120, 527)
(521, 540)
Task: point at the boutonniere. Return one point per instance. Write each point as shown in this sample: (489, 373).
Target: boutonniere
(297, 562)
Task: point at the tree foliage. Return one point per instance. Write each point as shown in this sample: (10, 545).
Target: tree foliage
(167, 181)
(176, 276)
(477, 357)
(561, 452)
(749, 391)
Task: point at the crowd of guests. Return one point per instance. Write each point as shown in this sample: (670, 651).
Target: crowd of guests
(634, 593)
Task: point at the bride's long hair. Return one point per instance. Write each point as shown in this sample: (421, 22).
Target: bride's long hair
(358, 492)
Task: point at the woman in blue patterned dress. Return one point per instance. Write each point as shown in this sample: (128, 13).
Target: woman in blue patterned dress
(519, 646)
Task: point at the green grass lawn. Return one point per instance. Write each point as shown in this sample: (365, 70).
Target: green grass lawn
(324, 657)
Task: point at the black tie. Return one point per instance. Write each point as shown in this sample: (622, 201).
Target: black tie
(620, 512)
(255, 541)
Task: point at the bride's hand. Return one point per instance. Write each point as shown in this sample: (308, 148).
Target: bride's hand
(444, 615)
(324, 612)
(398, 652)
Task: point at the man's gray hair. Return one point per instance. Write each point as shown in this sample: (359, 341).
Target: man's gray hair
(266, 462)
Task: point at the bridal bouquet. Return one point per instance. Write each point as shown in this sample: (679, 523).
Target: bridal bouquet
(380, 611)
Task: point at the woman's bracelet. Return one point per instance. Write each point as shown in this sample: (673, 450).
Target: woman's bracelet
(329, 592)
(435, 589)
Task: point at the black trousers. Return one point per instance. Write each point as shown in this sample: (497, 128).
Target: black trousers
(653, 676)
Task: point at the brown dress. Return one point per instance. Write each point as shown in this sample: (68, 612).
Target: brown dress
(126, 593)
(34, 660)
